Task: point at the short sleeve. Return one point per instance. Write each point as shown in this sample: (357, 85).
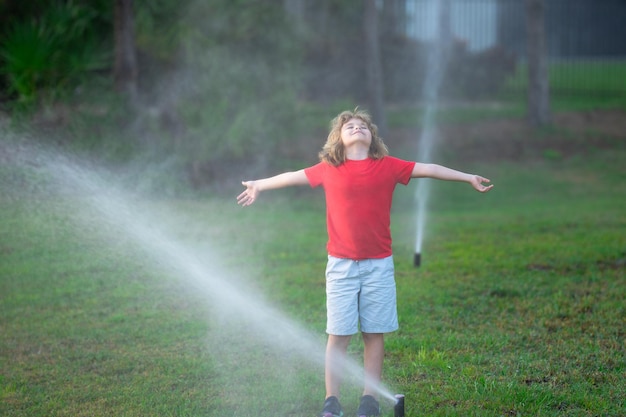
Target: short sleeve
(315, 174)
(402, 168)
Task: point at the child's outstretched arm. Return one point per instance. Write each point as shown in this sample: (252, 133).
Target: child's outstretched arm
(443, 173)
(254, 188)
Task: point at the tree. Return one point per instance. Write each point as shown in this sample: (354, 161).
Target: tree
(393, 19)
(538, 82)
(125, 70)
(373, 64)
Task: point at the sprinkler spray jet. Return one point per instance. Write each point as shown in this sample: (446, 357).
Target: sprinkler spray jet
(108, 209)
(437, 62)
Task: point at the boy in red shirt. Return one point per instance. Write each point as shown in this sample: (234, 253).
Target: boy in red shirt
(359, 178)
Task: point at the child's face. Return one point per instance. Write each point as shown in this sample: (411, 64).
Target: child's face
(356, 132)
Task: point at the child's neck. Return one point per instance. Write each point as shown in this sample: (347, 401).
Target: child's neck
(357, 153)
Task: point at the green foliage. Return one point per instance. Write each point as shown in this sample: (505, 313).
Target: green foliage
(219, 82)
(159, 28)
(235, 87)
(45, 55)
(26, 54)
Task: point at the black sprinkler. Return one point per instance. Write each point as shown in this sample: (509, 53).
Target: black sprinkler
(398, 409)
(417, 259)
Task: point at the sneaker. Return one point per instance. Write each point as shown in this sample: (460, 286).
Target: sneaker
(332, 408)
(368, 407)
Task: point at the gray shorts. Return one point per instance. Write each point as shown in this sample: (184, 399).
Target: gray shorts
(360, 292)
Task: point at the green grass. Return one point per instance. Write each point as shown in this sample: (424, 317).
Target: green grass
(591, 77)
(407, 116)
(518, 308)
(576, 85)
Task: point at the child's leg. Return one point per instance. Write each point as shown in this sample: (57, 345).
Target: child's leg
(374, 353)
(336, 350)
(378, 315)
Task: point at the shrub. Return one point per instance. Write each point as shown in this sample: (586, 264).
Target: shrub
(46, 54)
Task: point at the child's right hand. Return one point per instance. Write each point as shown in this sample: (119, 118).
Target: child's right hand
(249, 196)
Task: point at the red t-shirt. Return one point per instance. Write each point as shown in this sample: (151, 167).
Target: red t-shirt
(358, 204)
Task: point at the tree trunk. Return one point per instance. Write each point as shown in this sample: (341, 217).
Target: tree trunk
(374, 66)
(125, 70)
(393, 19)
(538, 82)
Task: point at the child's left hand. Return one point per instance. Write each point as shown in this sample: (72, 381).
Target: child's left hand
(477, 183)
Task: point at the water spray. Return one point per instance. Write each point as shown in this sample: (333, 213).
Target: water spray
(398, 409)
(110, 210)
(437, 62)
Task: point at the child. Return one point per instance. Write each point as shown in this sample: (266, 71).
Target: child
(358, 178)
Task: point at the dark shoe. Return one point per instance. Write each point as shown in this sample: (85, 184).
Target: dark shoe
(332, 408)
(368, 407)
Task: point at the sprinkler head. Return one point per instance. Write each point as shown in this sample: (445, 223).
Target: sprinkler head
(417, 259)
(398, 409)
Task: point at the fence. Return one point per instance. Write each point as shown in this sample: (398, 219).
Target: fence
(585, 39)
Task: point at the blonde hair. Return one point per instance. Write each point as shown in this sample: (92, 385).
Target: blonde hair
(333, 151)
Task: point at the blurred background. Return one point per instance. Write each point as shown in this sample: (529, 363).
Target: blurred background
(120, 120)
(205, 90)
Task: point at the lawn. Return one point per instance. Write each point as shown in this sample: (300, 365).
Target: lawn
(574, 83)
(115, 305)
